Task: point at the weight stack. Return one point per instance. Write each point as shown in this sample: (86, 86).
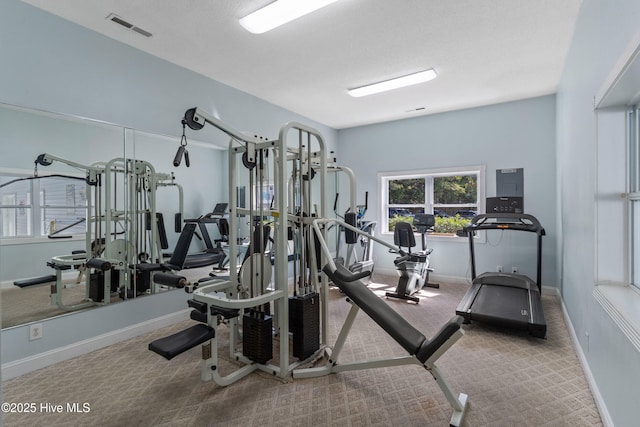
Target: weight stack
(96, 284)
(304, 324)
(257, 342)
(96, 287)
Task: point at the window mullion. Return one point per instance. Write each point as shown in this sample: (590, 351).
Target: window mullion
(36, 215)
(428, 192)
(633, 152)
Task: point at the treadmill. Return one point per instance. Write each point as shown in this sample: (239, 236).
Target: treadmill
(505, 299)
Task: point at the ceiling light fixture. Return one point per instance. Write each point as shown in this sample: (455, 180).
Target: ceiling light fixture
(280, 12)
(408, 80)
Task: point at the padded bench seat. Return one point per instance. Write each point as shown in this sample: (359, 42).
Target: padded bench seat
(24, 283)
(173, 345)
(412, 340)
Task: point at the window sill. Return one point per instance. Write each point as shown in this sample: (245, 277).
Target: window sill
(622, 303)
(444, 237)
(38, 240)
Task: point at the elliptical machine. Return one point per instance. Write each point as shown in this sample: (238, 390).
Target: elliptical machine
(356, 259)
(413, 267)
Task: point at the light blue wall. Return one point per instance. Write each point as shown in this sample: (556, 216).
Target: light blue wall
(511, 135)
(603, 32)
(53, 65)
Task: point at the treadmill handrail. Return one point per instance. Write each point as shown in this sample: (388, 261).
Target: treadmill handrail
(479, 223)
(505, 221)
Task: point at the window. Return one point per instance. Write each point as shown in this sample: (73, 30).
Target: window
(454, 195)
(633, 194)
(58, 209)
(617, 197)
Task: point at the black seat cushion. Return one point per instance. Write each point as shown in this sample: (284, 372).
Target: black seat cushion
(173, 345)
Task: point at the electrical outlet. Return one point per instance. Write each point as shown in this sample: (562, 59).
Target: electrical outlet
(499, 269)
(514, 270)
(35, 331)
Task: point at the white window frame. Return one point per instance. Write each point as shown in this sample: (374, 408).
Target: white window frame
(35, 205)
(9, 216)
(617, 169)
(633, 195)
(428, 175)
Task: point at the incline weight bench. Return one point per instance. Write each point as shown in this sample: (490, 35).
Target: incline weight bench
(422, 351)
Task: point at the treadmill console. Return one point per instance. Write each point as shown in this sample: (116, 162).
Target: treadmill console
(505, 205)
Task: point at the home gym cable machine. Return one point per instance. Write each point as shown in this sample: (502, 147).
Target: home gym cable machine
(243, 301)
(293, 164)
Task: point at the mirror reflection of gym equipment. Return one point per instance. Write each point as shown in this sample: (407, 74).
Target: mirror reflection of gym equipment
(120, 235)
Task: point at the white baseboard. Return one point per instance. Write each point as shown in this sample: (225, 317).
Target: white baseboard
(42, 360)
(546, 290)
(458, 280)
(600, 404)
(432, 277)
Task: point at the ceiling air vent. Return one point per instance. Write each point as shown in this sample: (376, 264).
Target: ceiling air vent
(115, 18)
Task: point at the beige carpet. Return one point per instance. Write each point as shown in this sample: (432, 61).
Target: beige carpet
(24, 305)
(511, 379)
(33, 303)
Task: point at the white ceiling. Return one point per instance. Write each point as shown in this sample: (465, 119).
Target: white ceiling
(484, 51)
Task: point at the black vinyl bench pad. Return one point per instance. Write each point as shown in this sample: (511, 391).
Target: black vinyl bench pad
(390, 320)
(446, 331)
(34, 281)
(173, 345)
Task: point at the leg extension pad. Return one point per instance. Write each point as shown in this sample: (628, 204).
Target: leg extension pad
(173, 345)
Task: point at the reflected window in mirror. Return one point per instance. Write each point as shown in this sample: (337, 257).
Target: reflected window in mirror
(38, 207)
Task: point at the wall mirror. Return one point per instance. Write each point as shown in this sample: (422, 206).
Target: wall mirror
(50, 218)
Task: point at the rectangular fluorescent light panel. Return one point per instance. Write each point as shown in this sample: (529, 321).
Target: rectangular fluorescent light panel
(280, 12)
(411, 79)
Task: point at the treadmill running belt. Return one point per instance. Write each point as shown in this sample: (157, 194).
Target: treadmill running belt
(505, 306)
(502, 305)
